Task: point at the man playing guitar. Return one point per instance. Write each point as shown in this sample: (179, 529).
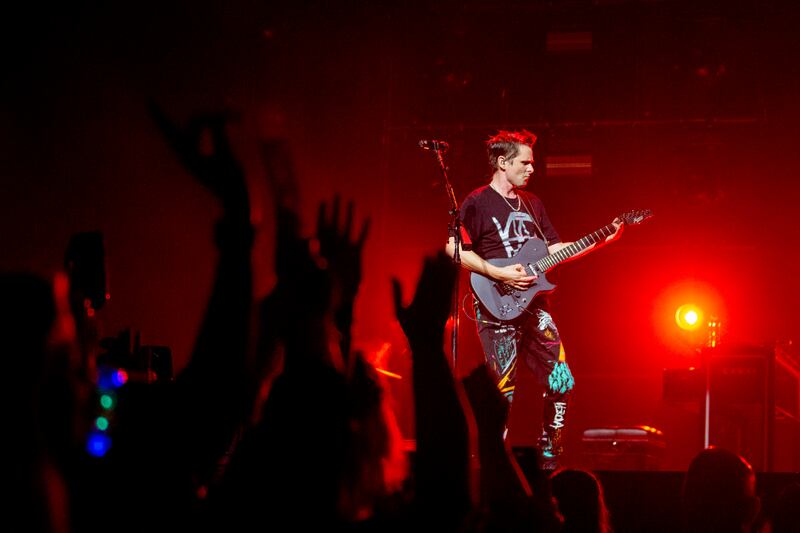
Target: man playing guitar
(497, 220)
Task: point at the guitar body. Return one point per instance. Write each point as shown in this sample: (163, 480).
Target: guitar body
(502, 301)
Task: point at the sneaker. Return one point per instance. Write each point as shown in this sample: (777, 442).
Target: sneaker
(548, 461)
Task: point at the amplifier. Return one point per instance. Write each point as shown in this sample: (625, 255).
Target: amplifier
(754, 393)
(623, 448)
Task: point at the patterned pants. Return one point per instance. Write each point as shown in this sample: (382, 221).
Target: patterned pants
(536, 338)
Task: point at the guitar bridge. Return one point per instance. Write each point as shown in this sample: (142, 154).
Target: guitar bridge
(505, 290)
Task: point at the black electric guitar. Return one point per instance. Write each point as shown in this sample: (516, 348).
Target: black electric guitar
(507, 303)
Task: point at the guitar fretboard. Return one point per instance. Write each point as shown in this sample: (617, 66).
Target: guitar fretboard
(546, 263)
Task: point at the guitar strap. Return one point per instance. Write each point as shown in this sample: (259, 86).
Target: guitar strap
(529, 209)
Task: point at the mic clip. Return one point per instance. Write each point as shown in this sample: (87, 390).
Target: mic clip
(432, 144)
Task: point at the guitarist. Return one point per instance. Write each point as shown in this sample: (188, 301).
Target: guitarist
(497, 219)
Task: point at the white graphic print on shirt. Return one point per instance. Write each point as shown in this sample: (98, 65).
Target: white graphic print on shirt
(515, 232)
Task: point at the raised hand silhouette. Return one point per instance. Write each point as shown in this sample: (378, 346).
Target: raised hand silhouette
(441, 465)
(339, 248)
(342, 255)
(424, 319)
(203, 147)
(173, 460)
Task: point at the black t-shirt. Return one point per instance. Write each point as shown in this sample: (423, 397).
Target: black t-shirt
(494, 229)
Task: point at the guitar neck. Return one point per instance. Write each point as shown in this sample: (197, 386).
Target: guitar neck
(546, 263)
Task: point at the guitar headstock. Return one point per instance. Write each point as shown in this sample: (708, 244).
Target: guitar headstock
(636, 216)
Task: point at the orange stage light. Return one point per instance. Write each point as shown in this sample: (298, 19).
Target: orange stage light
(689, 317)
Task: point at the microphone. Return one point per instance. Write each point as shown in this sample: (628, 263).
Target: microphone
(431, 144)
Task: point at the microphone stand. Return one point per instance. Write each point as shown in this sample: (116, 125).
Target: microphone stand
(454, 230)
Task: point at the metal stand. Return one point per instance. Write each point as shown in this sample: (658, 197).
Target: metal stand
(707, 401)
(454, 230)
(712, 342)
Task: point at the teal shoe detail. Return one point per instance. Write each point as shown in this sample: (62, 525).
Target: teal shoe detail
(560, 379)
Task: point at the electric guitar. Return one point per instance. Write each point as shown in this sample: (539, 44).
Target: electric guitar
(507, 303)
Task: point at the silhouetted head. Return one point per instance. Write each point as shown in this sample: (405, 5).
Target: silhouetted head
(719, 492)
(580, 501)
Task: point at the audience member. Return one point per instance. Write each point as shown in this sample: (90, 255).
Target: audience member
(719, 493)
(580, 501)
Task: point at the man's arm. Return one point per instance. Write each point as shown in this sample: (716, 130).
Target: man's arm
(513, 275)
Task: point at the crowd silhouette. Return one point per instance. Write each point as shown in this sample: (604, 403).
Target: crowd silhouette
(283, 425)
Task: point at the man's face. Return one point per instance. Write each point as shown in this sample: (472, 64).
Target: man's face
(520, 169)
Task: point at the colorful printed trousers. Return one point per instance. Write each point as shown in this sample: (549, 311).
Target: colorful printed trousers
(536, 338)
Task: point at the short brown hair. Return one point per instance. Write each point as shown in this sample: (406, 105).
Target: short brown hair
(506, 143)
